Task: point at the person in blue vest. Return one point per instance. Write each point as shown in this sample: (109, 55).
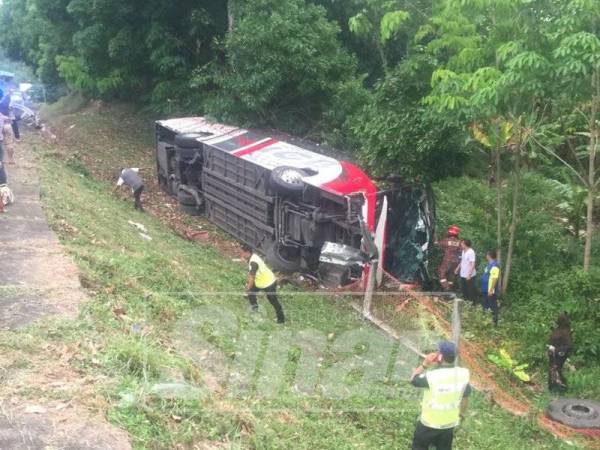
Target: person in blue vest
(490, 284)
(445, 398)
(262, 278)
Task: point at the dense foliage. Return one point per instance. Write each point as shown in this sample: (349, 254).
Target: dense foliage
(323, 69)
(284, 65)
(115, 48)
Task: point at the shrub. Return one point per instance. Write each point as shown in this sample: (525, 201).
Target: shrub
(393, 133)
(284, 65)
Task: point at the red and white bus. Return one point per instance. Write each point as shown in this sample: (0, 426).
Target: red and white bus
(283, 197)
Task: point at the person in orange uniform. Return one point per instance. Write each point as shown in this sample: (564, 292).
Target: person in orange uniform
(451, 248)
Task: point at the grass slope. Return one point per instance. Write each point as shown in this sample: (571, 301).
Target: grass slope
(184, 365)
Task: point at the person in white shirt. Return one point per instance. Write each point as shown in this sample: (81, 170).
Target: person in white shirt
(466, 268)
(131, 178)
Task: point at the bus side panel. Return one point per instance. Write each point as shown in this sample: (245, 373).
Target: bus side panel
(237, 197)
(165, 159)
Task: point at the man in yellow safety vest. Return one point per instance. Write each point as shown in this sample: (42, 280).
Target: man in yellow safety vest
(444, 400)
(261, 278)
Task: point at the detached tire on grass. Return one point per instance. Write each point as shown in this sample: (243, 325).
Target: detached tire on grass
(575, 413)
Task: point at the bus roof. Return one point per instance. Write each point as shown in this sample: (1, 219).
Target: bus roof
(261, 148)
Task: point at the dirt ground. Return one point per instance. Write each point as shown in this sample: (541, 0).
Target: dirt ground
(39, 282)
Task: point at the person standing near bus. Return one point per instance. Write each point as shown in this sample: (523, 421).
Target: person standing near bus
(466, 268)
(451, 248)
(490, 281)
(6, 129)
(262, 278)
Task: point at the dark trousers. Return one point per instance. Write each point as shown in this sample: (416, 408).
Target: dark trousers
(3, 179)
(491, 302)
(556, 379)
(137, 198)
(446, 274)
(15, 127)
(426, 437)
(270, 291)
(466, 286)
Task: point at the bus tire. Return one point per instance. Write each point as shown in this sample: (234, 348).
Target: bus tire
(282, 258)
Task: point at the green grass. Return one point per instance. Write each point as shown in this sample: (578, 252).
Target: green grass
(325, 380)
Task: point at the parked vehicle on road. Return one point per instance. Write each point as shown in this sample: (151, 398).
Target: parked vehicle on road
(282, 197)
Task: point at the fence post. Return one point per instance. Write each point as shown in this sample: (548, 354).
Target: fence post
(368, 299)
(456, 326)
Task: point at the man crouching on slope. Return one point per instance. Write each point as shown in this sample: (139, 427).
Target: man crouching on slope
(131, 178)
(444, 400)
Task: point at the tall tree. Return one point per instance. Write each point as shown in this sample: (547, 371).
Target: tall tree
(284, 64)
(230, 14)
(575, 33)
(494, 73)
(378, 22)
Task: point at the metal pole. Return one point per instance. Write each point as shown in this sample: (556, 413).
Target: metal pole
(456, 326)
(370, 288)
(371, 249)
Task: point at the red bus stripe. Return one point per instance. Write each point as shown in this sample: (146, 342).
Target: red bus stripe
(254, 148)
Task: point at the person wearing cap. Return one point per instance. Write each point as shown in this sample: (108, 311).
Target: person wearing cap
(131, 178)
(490, 281)
(451, 248)
(445, 398)
(262, 278)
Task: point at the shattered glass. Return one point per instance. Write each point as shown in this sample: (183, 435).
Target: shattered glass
(411, 222)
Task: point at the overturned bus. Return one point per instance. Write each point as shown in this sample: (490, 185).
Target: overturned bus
(303, 210)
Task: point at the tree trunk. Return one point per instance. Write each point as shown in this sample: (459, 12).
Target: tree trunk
(230, 14)
(498, 198)
(589, 230)
(381, 51)
(591, 178)
(515, 213)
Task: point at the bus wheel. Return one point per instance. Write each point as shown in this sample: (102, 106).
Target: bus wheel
(287, 180)
(283, 258)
